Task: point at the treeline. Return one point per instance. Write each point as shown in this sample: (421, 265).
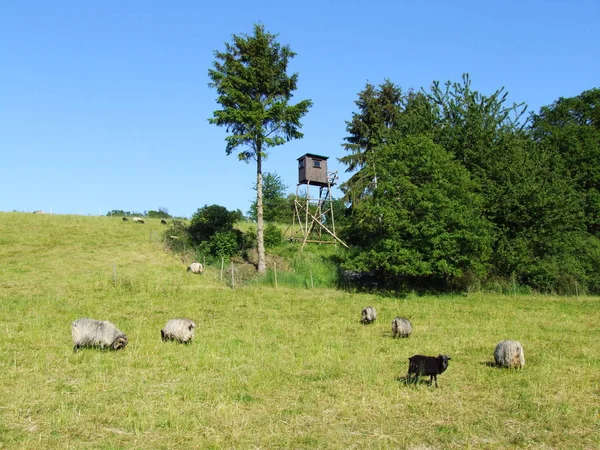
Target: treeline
(162, 213)
(454, 189)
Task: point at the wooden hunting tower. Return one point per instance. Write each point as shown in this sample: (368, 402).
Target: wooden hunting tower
(312, 169)
(313, 211)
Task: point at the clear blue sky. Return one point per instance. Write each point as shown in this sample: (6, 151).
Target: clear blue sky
(104, 105)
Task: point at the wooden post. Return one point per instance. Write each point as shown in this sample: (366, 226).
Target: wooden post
(232, 277)
(222, 263)
(514, 287)
(312, 283)
(275, 272)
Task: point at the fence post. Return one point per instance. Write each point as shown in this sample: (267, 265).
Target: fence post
(222, 263)
(232, 276)
(275, 271)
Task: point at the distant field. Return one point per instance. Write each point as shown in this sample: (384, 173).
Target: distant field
(270, 368)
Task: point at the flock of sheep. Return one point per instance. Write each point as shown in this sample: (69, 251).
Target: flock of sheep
(104, 334)
(140, 220)
(507, 354)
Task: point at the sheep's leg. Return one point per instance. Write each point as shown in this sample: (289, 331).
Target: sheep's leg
(435, 378)
(75, 348)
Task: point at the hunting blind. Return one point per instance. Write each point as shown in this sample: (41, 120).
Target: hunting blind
(313, 214)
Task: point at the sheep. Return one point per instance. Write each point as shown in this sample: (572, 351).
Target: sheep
(163, 221)
(195, 267)
(401, 327)
(97, 333)
(125, 219)
(181, 330)
(369, 315)
(138, 220)
(509, 354)
(427, 365)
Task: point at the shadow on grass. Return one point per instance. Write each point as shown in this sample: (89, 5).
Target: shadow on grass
(491, 364)
(423, 380)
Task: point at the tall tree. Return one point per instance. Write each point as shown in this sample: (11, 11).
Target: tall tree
(378, 111)
(254, 90)
(571, 127)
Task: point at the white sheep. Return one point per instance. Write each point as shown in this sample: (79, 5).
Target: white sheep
(509, 354)
(369, 315)
(181, 330)
(195, 267)
(401, 327)
(97, 333)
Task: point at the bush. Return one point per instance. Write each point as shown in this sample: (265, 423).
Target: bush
(223, 244)
(273, 236)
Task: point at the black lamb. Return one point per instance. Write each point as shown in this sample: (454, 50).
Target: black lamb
(427, 365)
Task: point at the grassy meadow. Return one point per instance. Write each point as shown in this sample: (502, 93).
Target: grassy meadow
(270, 367)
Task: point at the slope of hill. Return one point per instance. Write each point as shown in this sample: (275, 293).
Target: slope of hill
(269, 368)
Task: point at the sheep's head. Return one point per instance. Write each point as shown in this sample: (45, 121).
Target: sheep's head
(443, 359)
(120, 342)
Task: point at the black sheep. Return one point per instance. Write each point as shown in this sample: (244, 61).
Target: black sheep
(427, 365)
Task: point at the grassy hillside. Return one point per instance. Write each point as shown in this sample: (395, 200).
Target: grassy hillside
(269, 368)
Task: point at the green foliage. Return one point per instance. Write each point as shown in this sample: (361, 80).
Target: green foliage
(162, 213)
(251, 79)
(121, 213)
(273, 236)
(276, 205)
(535, 183)
(177, 237)
(208, 220)
(422, 220)
(570, 128)
(224, 243)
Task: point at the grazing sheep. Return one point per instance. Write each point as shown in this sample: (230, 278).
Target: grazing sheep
(195, 267)
(97, 333)
(427, 365)
(138, 220)
(401, 327)
(125, 219)
(369, 315)
(181, 330)
(509, 354)
(163, 221)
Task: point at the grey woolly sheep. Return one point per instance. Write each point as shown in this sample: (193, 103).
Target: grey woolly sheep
(97, 333)
(138, 220)
(509, 354)
(427, 365)
(181, 330)
(195, 267)
(369, 315)
(401, 327)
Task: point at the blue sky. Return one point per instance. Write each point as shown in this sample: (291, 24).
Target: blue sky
(105, 105)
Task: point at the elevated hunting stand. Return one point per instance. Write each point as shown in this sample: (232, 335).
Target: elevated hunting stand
(314, 214)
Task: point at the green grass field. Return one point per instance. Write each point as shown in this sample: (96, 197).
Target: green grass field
(270, 368)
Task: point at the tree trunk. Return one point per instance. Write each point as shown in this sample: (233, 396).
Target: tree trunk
(260, 235)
